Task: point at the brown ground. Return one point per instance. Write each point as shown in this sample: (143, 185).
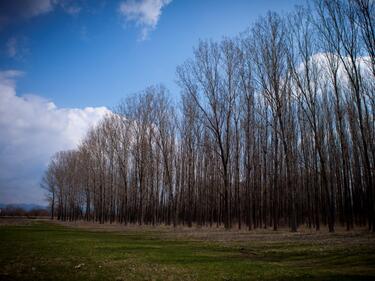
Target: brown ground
(5, 221)
(304, 234)
(218, 234)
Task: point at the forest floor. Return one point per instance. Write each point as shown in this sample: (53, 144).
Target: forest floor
(47, 250)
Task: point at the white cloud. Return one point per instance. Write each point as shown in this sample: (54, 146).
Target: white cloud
(322, 62)
(145, 13)
(32, 129)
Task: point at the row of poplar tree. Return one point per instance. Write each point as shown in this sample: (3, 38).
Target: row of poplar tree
(272, 128)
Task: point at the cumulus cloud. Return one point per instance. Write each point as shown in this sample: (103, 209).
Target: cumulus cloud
(145, 13)
(32, 129)
(321, 61)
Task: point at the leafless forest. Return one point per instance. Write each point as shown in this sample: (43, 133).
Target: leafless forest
(272, 128)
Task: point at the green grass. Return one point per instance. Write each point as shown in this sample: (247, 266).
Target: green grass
(45, 251)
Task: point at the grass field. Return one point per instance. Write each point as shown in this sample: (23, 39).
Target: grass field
(36, 250)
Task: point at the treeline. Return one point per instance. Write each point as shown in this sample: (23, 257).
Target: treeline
(273, 128)
(17, 211)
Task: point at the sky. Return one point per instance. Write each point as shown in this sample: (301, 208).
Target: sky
(64, 64)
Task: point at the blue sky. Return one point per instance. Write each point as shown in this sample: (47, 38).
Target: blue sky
(95, 56)
(63, 63)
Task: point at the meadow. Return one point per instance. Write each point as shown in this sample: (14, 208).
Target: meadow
(45, 250)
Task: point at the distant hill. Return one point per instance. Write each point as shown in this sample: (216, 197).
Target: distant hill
(24, 206)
